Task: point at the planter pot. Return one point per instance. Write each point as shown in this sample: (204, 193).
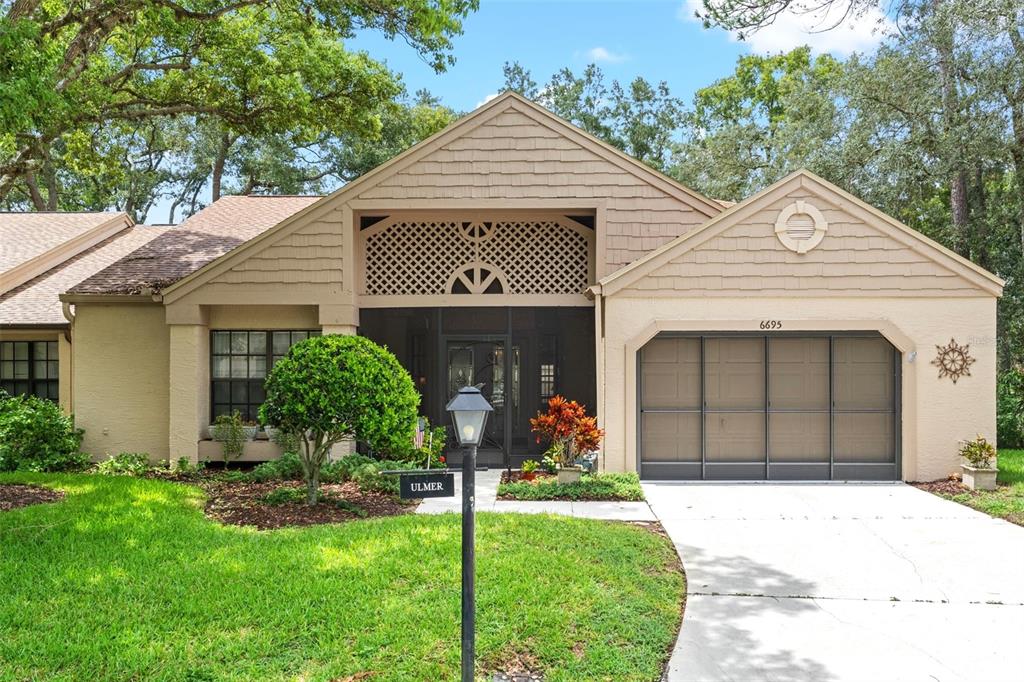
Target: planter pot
(569, 474)
(251, 432)
(210, 431)
(271, 433)
(979, 479)
(529, 475)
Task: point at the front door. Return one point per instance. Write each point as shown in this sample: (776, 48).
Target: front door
(482, 363)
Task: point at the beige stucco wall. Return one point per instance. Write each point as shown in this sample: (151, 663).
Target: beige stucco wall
(936, 413)
(120, 378)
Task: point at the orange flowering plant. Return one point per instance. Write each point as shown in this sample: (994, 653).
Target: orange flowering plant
(568, 429)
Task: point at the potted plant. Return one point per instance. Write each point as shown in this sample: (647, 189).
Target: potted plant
(229, 431)
(570, 434)
(979, 470)
(530, 469)
(251, 429)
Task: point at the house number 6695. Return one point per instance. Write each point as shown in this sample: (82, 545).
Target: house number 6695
(771, 324)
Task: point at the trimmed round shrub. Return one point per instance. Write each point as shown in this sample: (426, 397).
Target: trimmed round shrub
(335, 387)
(36, 436)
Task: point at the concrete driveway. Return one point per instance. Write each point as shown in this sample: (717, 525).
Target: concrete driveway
(842, 582)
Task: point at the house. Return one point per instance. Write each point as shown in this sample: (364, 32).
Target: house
(789, 336)
(41, 256)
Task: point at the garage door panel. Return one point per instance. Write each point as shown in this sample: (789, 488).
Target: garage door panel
(798, 437)
(734, 373)
(735, 437)
(671, 437)
(863, 374)
(670, 374)
(798, 374)
(864, 437)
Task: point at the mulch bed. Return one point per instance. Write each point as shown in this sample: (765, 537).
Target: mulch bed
(945, 486)
(519, 477)
(15, 495)
(242, 504)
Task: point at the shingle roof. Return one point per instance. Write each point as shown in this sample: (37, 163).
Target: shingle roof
(36, 301)
(27, 235)
(206, 236)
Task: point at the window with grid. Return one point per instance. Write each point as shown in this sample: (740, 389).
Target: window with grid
(239, 363)
(30, 368)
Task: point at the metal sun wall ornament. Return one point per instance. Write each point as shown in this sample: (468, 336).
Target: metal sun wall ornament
(953, 360)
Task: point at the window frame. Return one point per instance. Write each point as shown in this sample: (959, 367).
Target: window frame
(32, 380)
(251, 407)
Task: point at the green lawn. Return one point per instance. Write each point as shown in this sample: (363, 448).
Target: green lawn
(126, 579)
(1007, 501)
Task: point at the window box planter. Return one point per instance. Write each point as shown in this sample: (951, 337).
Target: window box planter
(569, 474)
(977, 478)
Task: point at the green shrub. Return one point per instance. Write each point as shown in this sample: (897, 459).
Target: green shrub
(336, 387)
(287, 441)
(36, 436)
(605, 486)
(979, 453)
(340, 470)
(184, 467)
(530, 466)
(125, 464)
(229, 432)
(432, 450)
(287, 467)
(284, 496)
(1010, 409)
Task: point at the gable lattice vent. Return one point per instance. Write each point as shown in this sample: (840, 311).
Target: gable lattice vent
(430, 255)
(800, 227)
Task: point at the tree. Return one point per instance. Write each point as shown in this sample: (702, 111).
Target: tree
(640, 118)
(330, 388)
(255, 67)
(773, 115)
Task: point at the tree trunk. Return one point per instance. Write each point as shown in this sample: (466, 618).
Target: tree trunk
(218, 164)
(1014, 94)
(38, 203)
(950, 117)
(312, 485)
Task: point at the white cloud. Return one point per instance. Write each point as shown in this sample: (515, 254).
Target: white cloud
(486, 99)
(792, 29)
(603, 54)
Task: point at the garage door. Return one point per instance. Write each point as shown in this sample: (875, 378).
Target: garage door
(783, 407)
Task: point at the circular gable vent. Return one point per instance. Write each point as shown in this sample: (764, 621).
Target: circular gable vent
(800, 227)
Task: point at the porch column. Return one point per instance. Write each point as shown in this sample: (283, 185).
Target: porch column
(189, 410)
(340, 319)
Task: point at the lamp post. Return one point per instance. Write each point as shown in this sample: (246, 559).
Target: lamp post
(469, 411)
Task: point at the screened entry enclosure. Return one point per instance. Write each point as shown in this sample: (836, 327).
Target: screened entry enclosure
(518, 356)
(779, 407)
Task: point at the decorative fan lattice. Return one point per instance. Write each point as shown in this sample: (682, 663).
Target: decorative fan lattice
(953, 360)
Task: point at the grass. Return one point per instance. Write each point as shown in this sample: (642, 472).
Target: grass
(1007, 501)
(127, 579)
(602, 486)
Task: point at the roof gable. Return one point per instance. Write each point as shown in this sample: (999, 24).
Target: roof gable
(34, 243)
(864, 251)
(467, 160)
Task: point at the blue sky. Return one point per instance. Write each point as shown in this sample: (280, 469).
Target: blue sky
(656, 39)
